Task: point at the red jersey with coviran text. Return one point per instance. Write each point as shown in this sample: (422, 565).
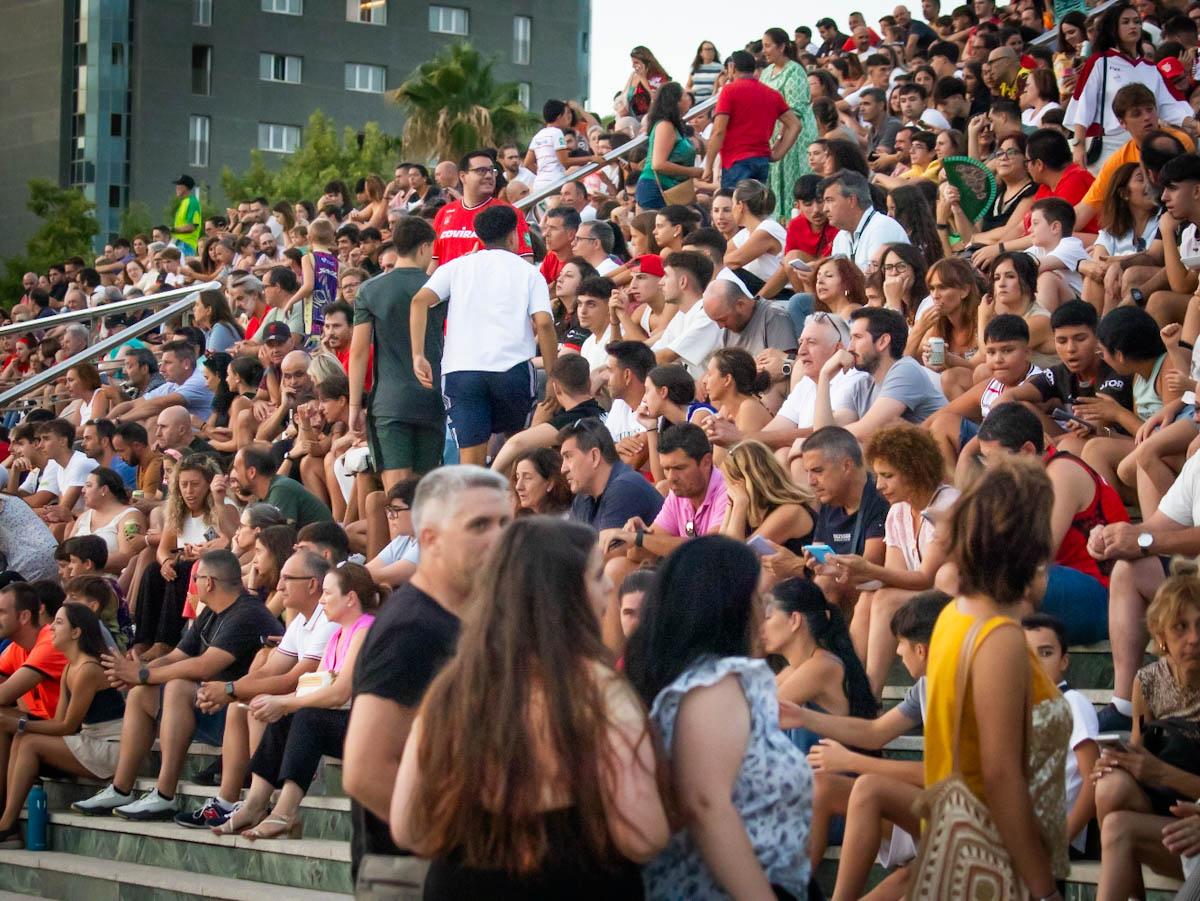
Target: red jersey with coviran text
(455, 228)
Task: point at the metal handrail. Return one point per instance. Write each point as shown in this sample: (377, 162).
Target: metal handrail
(100, 347)
(104, 310)
(616, 153)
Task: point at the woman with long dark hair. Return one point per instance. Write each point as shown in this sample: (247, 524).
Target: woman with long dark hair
(530, 769)
(1014, 290)
(903, 269)
(82, 738)
(669, 154)
(908, 205)
(744, 789)
(1069, 52)
(788, 77)
(1116, 61)
(647, 76)
(538, 483)
(1129, 220)
(212, 315)
(706, 66)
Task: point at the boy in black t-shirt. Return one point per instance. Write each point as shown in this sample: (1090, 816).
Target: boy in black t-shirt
(218, 646)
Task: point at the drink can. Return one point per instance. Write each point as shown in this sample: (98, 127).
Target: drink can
(937, 351)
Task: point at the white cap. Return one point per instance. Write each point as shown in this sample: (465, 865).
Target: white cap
(729, 275)
(935, 119)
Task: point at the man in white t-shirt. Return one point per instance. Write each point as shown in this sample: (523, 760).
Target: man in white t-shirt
(59, 489)
(499, 318)
(592, 311)
(299, 652)
(690, 335)
(629, 362)
(1139, 549)
(1057, 250)
(509, 158)
(594, 241)
(864, 229)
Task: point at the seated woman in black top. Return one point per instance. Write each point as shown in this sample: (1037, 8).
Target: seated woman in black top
(763, 501)
(530, 771)
(1014, 197)
(77, 740)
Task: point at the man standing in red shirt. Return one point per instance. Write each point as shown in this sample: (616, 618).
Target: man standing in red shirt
(30, 667)
(558, 231)
(745, 117)
(455, 222)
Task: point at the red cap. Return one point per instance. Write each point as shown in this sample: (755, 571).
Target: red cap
(1170, 67)
(650, 264)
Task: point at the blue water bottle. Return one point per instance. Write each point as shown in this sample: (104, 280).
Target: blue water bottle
(37, 825)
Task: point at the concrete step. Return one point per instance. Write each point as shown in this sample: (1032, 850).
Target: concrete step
(893, 694)
(325, 817)
(320, 864)
(54, 874)
(201, 756)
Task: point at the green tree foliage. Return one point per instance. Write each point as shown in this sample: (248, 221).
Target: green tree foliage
(453, 105)
(322, 156)
(136, 219)
(67, 230)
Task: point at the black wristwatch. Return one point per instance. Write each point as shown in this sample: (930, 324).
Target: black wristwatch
(143, 675)
(1138, 297)
(21, 724)
(641, 535)
(229, 689)
(787, 368)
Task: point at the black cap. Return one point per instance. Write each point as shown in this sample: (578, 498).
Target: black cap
(276, 331)
(186, 180)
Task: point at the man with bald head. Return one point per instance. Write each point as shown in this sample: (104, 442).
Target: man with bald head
(751, 323)
(173, 431)
(446, 175)
(294, 381)
(1003, 73)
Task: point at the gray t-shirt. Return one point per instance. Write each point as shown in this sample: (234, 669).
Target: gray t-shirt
(770, 326)
(384, 302)
(26, 543)
(913, 705)
(906, 382)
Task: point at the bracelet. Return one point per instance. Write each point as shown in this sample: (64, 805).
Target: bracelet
(944, 226)
(1001, 245)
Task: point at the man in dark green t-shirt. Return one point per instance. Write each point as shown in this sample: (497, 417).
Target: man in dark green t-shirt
(405, 422)
(254, 472)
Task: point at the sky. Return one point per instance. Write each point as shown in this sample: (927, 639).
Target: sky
(673, 30)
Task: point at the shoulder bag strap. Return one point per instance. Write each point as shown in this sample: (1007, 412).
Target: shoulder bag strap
(965, 656)
(1103, 94)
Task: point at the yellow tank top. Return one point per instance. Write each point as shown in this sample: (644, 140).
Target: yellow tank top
(1047, 745)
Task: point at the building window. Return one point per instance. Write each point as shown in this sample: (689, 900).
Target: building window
(522, 36)
(284, 7)
(278, 138)
(198, 141)
(201, 69)
(368, 12)
(365, 77)
(201, 12)
(523, 88)
(278, 67)
(449, 20)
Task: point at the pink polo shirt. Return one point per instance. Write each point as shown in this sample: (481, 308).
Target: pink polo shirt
(677, 512)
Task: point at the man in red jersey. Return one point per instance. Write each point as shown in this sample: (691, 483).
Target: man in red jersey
(455, 222)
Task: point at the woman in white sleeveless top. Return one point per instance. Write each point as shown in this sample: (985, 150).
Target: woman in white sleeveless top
(107, 515)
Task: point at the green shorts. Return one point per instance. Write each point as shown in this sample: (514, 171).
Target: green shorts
(404, 445)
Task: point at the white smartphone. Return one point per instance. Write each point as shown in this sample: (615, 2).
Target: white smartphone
(802, 266)
(761, 546)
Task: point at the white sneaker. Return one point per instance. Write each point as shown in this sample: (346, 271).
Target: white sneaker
(103, 802)
(152, 806)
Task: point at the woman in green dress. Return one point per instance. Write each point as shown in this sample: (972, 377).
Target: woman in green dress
(788, 77)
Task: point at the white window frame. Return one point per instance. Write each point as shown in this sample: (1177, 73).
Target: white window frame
(444, 20)
(274, 137)
(522, 52)
(524, 89)
(199, 130)
(202, 12)
(367, 12)
(355, 73)
(292, 65)
(284, 7)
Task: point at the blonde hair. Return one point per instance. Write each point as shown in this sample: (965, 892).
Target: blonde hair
(323, 366)
(320, 231)
(1180, 590)
(752, 464)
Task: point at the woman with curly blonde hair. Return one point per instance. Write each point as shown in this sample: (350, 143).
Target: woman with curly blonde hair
(909, 473)
(195, 519)
(763, 500)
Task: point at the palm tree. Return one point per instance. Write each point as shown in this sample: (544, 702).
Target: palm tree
(454, 105)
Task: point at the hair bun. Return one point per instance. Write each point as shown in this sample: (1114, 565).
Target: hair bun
(1185, 566)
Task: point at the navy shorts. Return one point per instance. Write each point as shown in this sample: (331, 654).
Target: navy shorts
(757, 167)
(1080, 601)
(481, 404)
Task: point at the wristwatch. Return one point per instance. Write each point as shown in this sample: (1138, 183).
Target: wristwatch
(641, 535)
(21, 724)
(787, 369)
(143, 675)
(1145, 540)
(229, 689)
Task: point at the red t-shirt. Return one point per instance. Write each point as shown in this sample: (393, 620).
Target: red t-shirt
(753, 109)
(803, 237)
(455, 227)
(1072, 187)
(343, 357)
(252, 326)
(42, 700)
(551, 266)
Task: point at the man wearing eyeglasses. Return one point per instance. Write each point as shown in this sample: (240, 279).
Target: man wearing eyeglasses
(455, 222)
(299, 652)
(219, 646)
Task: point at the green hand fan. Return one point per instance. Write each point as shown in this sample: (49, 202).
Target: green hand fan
(975, 182)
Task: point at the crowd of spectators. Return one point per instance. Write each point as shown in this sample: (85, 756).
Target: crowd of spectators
(584, 514)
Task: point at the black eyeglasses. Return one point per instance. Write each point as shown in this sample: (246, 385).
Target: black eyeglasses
(393, 512)
(481, 171)
(288, 578)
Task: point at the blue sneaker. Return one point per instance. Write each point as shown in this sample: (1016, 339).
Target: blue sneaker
(1113, 720)
(209, 816)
